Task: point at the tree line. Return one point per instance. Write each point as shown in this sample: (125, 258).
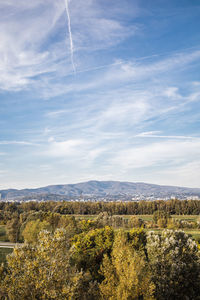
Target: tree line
(177, 207)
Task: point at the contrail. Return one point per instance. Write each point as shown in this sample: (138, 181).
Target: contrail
(70, 36)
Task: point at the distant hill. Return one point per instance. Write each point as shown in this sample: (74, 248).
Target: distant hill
(101, 189)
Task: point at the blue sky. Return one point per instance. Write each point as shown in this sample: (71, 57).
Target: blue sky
(131, 112)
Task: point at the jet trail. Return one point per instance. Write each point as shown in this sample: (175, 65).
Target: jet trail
(70, 36)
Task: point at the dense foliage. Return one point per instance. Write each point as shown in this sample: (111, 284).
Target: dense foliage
(102, 263)
(109, 257)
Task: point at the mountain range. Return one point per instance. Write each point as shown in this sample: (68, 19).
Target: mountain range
(108, 190)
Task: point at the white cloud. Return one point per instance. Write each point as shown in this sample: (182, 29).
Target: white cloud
(25, 51)
(185, 175)
(138, 70)
(26, 54)
(82, 150)
(23, 143)
(118, 73)
(126, 111)
(148, 133)
(57, 113)
(96, 26)
(66, 149)
(160, 154)
(22, 35)
(156, 134)
(172, 93)
(111, 113)
(95, 153)
(123, 112)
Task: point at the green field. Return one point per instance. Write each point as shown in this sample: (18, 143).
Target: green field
(3, 253)
(189, 218)
(194, 232)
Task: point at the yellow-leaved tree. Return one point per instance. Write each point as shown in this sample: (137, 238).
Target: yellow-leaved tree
(32, 229)
(126, 273)
(42, 271)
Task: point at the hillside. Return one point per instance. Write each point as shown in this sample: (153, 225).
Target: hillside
(101, 189)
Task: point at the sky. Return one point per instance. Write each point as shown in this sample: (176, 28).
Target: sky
(108, 91)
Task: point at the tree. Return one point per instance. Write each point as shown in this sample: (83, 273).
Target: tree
(126, 273)
(161, 218)
(137, 239)
(13, 229)
(90, 247)
(136, 222)
(32, 229)
(174, 262)
(42, 271)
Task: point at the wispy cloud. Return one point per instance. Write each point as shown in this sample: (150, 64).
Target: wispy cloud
(30, 54)
(185, 174)
(137, 71)
(22, 35)
(155, 134)
(26, 32)
(132, 109)
(23, 143)
(69, 148)
(158, 154)
(122, 72)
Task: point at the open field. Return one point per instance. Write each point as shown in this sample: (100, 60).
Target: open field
(188, 218)
(194, 232)
(3, 253)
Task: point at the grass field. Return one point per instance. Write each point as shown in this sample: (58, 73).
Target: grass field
(3, 253)
(194, 232)
(189, 218)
